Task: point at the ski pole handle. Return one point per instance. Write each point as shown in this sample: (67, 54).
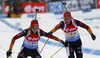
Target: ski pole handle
(37, 10)
(65, 5)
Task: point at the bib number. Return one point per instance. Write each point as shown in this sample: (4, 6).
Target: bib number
(31, 44)
(71, 35)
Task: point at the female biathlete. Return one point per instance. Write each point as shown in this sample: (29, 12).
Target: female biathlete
(70, 28)
(30, 43)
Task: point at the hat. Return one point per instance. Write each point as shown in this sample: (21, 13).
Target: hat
(67, 14)
(34, 23)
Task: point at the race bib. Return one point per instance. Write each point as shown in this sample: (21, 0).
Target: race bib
(30, 44)
(71, 35)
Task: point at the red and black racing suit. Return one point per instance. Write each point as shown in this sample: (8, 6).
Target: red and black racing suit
(72, 36)
(30, 43)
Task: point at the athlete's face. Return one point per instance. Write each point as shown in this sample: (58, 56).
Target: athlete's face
(35, 29)
(67, 20)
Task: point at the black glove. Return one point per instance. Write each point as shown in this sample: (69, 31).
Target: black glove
(50, 33)
(93, 36)
(65, 43)
(8, 53)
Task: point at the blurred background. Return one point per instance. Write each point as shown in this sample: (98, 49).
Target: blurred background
(15, 8)
(16, 15)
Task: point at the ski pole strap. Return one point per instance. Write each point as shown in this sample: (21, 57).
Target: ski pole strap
(56, 52)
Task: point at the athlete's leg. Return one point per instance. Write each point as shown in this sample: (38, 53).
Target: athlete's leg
(78, 49)
(23, 53)
(78, 52)
(36, 54)
(70, 52)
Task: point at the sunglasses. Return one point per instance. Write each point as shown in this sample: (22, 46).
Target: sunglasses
(35, 28)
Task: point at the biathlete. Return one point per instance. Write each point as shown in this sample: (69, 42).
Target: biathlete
(70, 28)
(30, 43)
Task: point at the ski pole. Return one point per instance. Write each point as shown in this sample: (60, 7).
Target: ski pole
(56, 52)
(44, 45)
(65, 5)
(37, 10)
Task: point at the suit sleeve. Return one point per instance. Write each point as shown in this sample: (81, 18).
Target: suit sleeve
(42, 33)
(58, 26)
(23, 33)
(81, 24)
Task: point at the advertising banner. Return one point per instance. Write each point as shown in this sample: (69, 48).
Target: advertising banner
(6, 8)
(87, 4)
(59, 7)
(98, 3)
(30, 7)
(1, 8)
(56, 7)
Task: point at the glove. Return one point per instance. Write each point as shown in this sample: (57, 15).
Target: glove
(50, 33)
(8, 53)
(65, 43)
(93, 36)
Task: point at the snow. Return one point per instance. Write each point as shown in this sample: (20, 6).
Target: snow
(47, 21)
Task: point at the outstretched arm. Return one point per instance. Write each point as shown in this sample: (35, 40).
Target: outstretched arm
(17, 36)
(58, 26)
(12, 43)
(9, 52)
(54, 38)
(42, 33)
(54, 30)
(81, 24)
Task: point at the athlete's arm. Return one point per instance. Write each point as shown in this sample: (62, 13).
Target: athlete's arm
(58, 26)
(12, 43)
(81, 24)
(16, 37)
(42, 33)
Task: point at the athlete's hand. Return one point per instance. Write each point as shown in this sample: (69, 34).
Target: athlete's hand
(8, 53)
(65, 43)
(93, 36)
(50, 33)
